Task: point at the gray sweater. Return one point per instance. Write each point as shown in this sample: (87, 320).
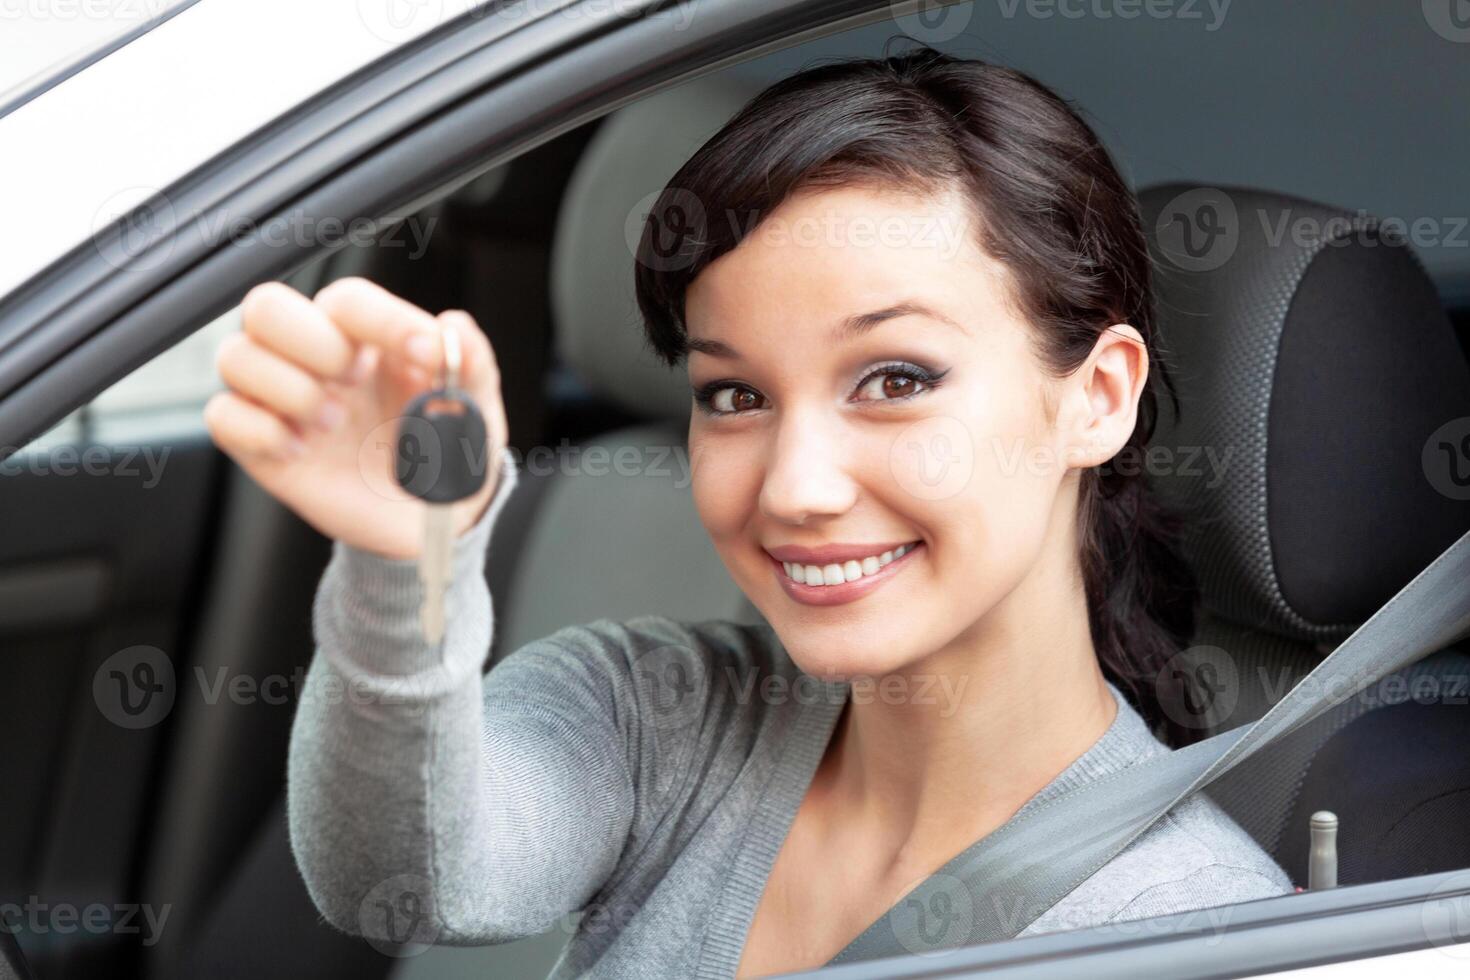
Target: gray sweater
(643, 772)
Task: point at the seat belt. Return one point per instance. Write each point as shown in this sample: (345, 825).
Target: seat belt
(1001, 884)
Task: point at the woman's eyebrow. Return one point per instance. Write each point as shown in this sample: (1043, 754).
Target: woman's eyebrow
(850, 327)
(859, 323)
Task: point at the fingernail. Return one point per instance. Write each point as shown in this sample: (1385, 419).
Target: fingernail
(331, 415)
(421, 349)
(295, 448)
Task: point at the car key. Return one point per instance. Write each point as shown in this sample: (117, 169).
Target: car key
(440, 458)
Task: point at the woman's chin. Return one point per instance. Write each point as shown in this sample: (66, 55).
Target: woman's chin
(844, 663)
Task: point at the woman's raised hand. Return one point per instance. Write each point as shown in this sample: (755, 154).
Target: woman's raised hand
(314, 392)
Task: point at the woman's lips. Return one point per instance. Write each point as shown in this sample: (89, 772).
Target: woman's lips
(833, 595)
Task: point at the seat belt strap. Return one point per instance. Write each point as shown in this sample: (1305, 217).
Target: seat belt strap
(1001, 884)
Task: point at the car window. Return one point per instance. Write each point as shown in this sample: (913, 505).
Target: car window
(160, 400)
(1196, 92)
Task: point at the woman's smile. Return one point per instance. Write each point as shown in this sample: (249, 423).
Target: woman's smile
(836, 582)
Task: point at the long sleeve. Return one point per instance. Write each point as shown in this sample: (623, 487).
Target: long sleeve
(427, 803)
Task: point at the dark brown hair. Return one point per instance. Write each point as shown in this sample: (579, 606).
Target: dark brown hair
(1052, 208)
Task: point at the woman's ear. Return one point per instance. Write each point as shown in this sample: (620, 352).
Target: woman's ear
(1103, 394)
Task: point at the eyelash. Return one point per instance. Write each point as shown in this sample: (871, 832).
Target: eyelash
(704, 395)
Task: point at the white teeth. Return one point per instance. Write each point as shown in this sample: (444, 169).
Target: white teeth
(848, 571)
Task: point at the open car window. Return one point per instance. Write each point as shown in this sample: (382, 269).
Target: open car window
(202, 583)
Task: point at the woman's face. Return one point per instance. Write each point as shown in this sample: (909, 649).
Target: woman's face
(872, 390)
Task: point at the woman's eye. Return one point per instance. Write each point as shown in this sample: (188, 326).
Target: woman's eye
(727, 399)
(894, 383)
(891, 382)
(735, 400)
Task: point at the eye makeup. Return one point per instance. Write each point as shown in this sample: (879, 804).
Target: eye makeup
(706, 396)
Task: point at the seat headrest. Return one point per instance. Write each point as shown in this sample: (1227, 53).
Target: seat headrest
(1323, 397)
(634, 153)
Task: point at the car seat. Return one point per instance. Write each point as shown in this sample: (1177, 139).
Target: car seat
(1313, 356)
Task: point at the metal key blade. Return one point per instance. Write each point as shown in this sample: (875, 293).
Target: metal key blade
(435, 565)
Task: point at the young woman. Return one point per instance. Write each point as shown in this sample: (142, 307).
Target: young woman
(917, 326)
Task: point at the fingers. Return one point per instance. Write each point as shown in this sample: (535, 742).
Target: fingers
(369, 314)
(280, 319)
(247, 431)
(269, 380)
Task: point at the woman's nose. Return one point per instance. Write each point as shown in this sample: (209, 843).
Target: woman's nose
(807, 473)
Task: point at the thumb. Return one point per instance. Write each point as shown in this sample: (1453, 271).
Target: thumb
(479, 372)
(477, 359)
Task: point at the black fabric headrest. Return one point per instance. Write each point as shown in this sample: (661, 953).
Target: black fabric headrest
(1323, 400)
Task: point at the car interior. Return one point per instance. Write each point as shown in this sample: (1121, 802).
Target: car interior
(1323, 365)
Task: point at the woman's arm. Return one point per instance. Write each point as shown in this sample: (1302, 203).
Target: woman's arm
(422, 796)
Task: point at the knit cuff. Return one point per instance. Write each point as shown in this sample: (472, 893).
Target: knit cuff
(367, 613)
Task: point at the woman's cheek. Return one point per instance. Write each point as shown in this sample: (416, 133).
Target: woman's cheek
(725, 485)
